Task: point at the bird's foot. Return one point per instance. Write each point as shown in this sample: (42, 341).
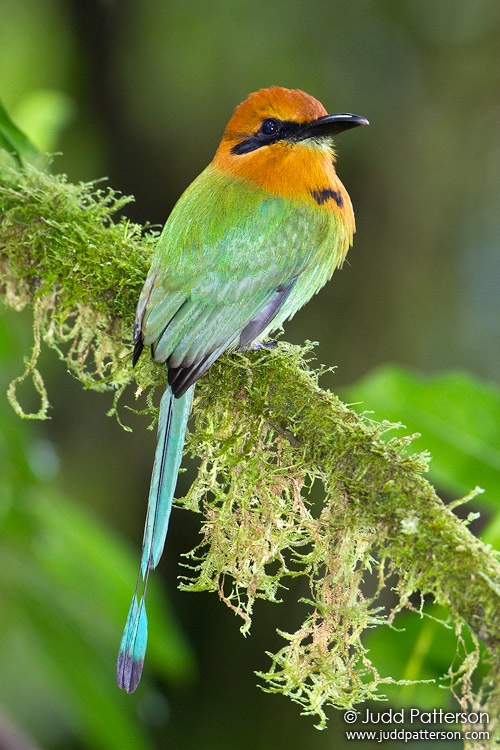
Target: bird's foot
(257, 346)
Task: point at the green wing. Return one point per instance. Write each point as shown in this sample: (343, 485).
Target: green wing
(232, 263)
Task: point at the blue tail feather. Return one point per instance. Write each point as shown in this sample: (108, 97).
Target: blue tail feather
(172, 422)
(132, 647)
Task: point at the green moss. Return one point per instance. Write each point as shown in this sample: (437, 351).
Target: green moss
(62, 250)
(264, 432)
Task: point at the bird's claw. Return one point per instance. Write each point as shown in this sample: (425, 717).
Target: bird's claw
(257, 346)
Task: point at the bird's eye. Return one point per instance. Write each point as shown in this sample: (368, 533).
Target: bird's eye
(270, 126)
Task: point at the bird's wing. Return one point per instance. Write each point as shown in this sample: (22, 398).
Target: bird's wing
(227, 262)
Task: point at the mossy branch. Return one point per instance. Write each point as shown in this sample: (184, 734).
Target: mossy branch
(265, 431)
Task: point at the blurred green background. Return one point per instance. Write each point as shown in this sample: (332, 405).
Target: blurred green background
(140, 91)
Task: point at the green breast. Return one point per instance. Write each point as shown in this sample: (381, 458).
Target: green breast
(224, 249)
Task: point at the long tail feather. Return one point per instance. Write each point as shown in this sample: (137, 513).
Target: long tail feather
(133, 646)
(174, 413)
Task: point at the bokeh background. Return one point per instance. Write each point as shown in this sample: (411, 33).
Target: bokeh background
(139, 91)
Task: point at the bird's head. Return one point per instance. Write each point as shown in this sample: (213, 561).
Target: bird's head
(282, 140)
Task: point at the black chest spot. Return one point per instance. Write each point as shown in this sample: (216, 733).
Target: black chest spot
(322, 196)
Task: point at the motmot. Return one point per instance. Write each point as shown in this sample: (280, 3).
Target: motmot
(250, 241)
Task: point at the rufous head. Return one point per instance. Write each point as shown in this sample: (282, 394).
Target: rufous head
(282, 139)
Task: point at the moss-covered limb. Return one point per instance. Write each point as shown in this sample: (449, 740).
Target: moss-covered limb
(58, 236)
(62, 248)
(379, 513)
(429, 544)
(264, 431)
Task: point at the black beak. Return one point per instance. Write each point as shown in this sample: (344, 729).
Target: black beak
(330, 125)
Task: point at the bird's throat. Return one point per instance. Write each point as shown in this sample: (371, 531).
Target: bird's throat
(296, 172)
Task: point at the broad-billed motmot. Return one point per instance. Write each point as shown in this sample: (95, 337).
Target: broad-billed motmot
(251, 240)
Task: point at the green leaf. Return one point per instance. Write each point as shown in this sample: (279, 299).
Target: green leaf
(457, 416)
(44, 113)
(13, 140)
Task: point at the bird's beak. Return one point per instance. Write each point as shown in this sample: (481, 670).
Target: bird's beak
(330, 125)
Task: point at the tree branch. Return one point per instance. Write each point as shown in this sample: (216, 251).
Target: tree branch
(264, 431)
(384, 488)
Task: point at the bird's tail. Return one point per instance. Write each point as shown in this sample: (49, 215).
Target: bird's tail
(172, 422)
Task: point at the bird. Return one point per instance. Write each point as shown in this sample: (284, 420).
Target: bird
(248, 243)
